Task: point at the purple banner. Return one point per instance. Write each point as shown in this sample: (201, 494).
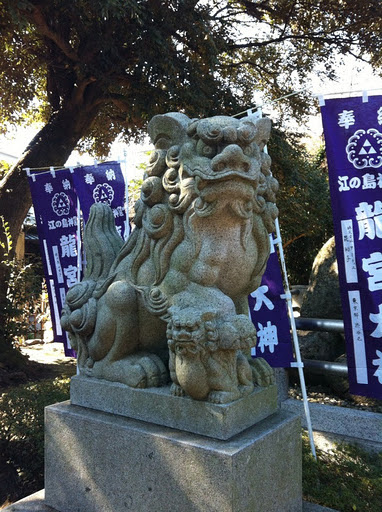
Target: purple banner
(55, 204)
(270, 317)
(103, 183)
(352, 128)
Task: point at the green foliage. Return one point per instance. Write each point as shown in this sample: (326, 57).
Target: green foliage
(122, 61)
(135, 186)
(23, 298)
(6, 245)
(119, 61)
(134, 193)
(347, 480)
(24, 286)
(304, 203)
(22, 435)
(4, 168)
(285, 41)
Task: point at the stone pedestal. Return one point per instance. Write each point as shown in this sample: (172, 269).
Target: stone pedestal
(96, 461)
(159, 406)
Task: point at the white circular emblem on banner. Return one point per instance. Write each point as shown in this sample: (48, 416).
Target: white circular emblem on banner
(364, 149)
(61, 204)
(103, 194)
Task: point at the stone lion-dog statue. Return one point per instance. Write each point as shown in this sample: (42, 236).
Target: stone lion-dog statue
(171, 302)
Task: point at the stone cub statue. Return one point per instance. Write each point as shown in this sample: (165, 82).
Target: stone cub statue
(206, 361)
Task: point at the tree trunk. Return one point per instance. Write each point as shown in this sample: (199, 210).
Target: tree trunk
(50, 147)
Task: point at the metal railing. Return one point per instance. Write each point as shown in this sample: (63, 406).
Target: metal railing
(327, 325)
(319, 324)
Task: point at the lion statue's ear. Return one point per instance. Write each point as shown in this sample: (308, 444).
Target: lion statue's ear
(263, 129)
(168, 129)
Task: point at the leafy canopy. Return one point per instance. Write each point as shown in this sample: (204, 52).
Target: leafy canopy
(123, 61)
(303, 200)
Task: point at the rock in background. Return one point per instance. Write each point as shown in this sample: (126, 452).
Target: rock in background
(322, 298)
(321, 346)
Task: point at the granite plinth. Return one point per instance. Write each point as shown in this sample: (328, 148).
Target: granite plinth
(157, 405)
(36, 503)
(97, 461)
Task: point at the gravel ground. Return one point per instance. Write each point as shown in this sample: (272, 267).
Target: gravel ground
(47, 353)
(323, 395)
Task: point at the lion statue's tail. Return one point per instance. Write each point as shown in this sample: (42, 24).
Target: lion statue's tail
(101, 241)
(102, 244)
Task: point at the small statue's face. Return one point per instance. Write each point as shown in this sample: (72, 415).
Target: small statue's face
(188, 333)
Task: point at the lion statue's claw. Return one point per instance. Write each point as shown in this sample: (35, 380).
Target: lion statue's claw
(177, 390)
(262, 373)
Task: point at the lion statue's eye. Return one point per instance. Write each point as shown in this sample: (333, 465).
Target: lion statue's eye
(204, 149)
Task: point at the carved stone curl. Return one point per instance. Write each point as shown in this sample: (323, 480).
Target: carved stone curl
(173, 298)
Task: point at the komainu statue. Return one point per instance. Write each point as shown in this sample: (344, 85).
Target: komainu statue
(171, 302)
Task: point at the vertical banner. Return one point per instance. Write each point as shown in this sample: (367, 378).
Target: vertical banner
(352, 128)
(269, 315)
(103, 183)
(55, 204)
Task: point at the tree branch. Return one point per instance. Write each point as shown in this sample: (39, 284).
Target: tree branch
(79, 90)
(322, 37)
(37, 17)
(250, 63)
(119, 101)
(289, 242)
(288, 18)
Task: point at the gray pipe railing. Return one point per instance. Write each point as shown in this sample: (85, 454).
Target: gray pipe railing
(319, 367)
(319, 324)
(327, 325)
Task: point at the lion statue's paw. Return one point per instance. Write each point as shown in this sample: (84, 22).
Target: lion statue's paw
(246, 390)
(262, 373)
(137, 371)
(155, 371)
(177, 390)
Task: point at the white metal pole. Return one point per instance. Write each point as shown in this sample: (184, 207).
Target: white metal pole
(299, 364)
(126, 178)
(79, 242)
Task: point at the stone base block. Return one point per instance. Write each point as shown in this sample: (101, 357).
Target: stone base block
(96, 462)
(36, 503)
(157, 405)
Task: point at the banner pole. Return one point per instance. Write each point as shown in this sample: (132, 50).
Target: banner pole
(299, 364)
(79, 242)
(126, 178)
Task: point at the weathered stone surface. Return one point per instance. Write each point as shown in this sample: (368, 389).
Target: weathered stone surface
(282, 384)
(322, 298)
(172, 301)
(159, 406)
(99, 462)
(36, 503)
